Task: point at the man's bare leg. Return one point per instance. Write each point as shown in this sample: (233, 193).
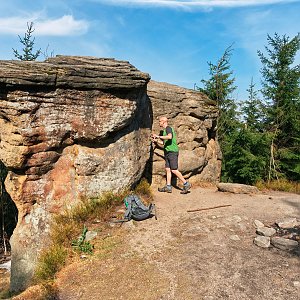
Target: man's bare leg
(186, 184)
(168, 187)
(179, 176)
(169, 176)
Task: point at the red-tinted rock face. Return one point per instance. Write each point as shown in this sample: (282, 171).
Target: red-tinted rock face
(71, 127)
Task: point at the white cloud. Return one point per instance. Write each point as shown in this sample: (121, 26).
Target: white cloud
(193, 3)
(63, 26)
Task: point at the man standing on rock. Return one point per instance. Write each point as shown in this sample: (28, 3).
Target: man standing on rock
(171, 151)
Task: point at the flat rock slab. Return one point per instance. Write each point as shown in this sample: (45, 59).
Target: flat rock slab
(73, 72)
(237, 188)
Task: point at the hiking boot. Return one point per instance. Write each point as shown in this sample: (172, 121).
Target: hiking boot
(186, 188)
(165, 189)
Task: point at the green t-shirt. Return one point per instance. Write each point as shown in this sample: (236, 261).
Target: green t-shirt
(170, 145)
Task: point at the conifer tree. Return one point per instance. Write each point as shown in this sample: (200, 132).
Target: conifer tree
(281, 88)
(219, 87)
(246, 160)
(28, 42)
(254, 110)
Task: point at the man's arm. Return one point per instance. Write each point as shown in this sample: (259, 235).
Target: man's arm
(164, 137)
(157, 141)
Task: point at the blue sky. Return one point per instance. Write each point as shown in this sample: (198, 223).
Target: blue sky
(171, 40)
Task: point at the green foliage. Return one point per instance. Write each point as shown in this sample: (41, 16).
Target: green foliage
(220, 84)
(281, 88)
(81, 245)
(64, 229)
(219, 87)
(268, 146)
(97, 207)
(246, 157)
(254, 110)
(28, 42)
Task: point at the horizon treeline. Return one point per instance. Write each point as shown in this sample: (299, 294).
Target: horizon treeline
(259, 137)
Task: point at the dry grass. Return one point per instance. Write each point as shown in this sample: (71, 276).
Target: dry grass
(144, 190)
(280, 185)
(38, 292)
(50, 262)
(67, 227)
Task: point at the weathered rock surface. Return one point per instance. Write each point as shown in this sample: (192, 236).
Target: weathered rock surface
(194, 118)
(237, 188)
(258, 224)
(265, 231)
(262, 241)
(71, 127)
(284, 244)
(287, 223)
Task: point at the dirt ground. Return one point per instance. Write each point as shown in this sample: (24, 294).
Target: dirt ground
(184, 255)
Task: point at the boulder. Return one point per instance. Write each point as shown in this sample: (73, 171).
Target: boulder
(71, 128)
(258, 224)
(194, 117)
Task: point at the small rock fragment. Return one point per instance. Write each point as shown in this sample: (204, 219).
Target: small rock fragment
(296, 284)
(262, 241)
(90, 235)
(235, 237)
(287, 223)
(265, 231)
(258, 224)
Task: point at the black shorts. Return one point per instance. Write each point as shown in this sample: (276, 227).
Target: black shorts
(171, 159)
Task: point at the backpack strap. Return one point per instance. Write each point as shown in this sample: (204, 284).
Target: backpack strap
(128, 204)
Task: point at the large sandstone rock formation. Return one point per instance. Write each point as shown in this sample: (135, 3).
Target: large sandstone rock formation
(194, 117)
(71, 127)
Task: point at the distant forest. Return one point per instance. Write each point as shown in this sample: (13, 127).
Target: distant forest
(260, 137)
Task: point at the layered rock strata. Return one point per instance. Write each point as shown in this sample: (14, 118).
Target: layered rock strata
(194, 118)
(71, 128)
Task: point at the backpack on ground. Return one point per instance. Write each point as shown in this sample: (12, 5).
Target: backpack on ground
(137, 210)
